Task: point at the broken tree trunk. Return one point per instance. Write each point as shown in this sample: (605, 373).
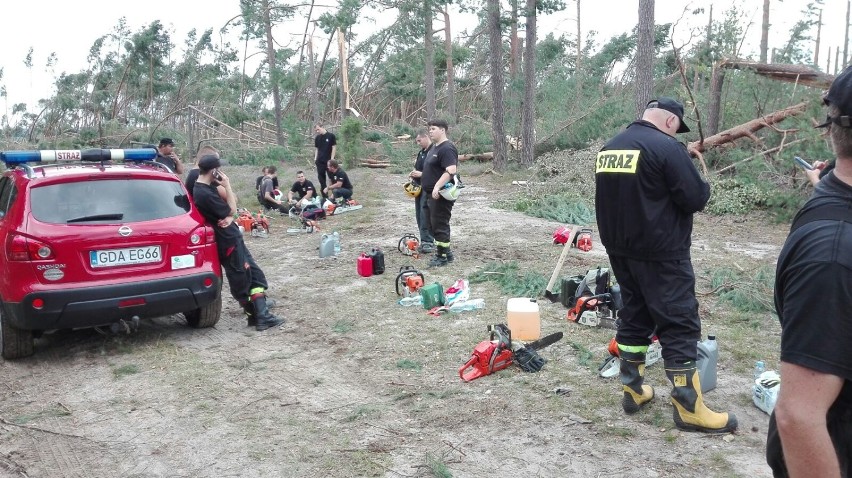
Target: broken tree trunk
(803, 75)
(479, 157)
(742, 131)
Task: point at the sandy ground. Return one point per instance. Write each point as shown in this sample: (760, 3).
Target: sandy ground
(356, 385)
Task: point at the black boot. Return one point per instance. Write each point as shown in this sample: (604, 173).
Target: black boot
(450, 257)
(440, 258)
(248, 308)
(632, 377)
(265, 319)
(689, 411)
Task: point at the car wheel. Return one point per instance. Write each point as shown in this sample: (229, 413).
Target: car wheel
(14, 343)
(206, 316)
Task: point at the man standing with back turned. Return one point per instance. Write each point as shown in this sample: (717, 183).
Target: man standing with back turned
(812, 419)
(326, 147)
(647, 192)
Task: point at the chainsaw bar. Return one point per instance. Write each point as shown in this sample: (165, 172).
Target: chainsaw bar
(545, 341)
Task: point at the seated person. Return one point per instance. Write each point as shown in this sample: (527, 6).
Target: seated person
(302, 192)
(263, 175)
(266, 194)
(340, 187)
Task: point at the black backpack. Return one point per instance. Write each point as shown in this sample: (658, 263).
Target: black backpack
(312, 212)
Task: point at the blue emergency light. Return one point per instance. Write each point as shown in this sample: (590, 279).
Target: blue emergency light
(59, 156)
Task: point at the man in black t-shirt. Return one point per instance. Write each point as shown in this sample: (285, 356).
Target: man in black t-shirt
(245, 279)
(326, 149)
(427, 242)
(810, 430)
(266, 194)
(439, 168)
(301, 192)
(166, 155)
(341, 186)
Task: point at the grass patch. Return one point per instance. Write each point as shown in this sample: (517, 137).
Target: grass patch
(125, 370)
(407, 364)
(437, 467)
(584, 355)
(48, 412)
(559, 207)
(343, 326)
(362, 411)
(510, 279)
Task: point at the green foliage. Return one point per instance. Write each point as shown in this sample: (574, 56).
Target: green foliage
(437, 467)
(561, 207)
(734, 196)
(584, 355)
(124, 370)
(351, 149)
(408, 364)
(747, 292)
(510, 279)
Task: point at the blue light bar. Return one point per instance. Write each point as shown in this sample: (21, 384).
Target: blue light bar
(58, 156)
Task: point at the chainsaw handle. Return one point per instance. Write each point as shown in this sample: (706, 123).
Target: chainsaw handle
(474, 372)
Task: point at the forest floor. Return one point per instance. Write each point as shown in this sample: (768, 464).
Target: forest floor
(356, 385)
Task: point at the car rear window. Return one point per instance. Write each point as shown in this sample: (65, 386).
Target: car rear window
(108, 200)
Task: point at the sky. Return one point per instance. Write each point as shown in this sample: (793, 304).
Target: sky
(69, 29)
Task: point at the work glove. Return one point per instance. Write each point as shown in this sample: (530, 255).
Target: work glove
(529, 360)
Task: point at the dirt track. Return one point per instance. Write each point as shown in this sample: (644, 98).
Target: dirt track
(356, 385)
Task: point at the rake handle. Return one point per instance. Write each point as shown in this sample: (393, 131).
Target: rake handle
(561, 260)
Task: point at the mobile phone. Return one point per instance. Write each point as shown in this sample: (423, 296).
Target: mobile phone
(217, 175)
(804, 164)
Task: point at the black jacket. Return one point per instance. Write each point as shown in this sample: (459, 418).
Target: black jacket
(647, 190)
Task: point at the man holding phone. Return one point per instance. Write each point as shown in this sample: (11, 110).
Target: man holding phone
(245, 278)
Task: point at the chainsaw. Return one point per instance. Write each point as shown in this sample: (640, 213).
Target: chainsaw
(408, 245)
(408, 281)
(308, 226)
(594, 311)
(490, 355)
(495, 354)
(612, 365)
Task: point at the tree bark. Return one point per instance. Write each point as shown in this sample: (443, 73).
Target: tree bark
(746, 129)
(816, 46)
(429, 60)
(713, 117)
(645, 56)
(764, 32)
(273, 73)
(528, 104)
(801, 74)
(495, 40)
(514, 50)
(845, 39)
(451, 82)
(314, 95)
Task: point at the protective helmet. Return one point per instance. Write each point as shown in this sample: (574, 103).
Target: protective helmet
(277, 195)
(411, 189)
(450, 191)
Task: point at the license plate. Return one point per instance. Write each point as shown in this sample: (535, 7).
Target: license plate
(123, 257)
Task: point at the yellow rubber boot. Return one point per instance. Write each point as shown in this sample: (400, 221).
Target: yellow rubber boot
(632, 375)
(690, 413)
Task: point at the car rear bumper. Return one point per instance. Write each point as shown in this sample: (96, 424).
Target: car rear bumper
(94, 306)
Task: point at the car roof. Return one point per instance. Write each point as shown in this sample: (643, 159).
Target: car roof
(89, 169)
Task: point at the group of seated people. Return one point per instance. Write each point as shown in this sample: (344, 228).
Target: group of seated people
(302, 192)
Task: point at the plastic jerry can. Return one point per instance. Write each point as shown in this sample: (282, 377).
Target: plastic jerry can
(708, 357)
(365, 265)
(432, 295)
(523, 318)
(326, 248)
(378, 261)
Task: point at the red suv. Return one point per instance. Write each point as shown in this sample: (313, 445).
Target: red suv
(99, 237)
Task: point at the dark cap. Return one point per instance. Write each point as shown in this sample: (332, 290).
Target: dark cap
(840, 96)
(672, 106)
(208, 162)
(167, 141)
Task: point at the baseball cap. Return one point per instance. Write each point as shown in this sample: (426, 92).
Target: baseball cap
(208, 162)
(167, 141)
(672, 106)
(840, 95)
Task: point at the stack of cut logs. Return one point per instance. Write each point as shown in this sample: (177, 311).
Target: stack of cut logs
(375, 163)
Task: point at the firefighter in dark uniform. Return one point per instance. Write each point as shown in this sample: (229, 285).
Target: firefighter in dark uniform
(439, 169)
(647, 192)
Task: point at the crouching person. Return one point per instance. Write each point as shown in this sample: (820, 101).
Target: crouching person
(246, 280)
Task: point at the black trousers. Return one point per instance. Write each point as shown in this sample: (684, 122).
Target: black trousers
(322, 173)
(344, 193)
(271, 205)
(658, 296)
(421, 213)
(839, 422)
(241, 270)
(439, 212)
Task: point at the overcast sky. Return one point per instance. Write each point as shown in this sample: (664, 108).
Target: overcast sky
(69, 28)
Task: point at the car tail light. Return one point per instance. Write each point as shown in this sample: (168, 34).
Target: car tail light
(20, 248)
(202, 235)
(131, 302)
(208, 282)
(38, 304)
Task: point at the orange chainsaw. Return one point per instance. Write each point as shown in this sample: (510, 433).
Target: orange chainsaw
(408, 245)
